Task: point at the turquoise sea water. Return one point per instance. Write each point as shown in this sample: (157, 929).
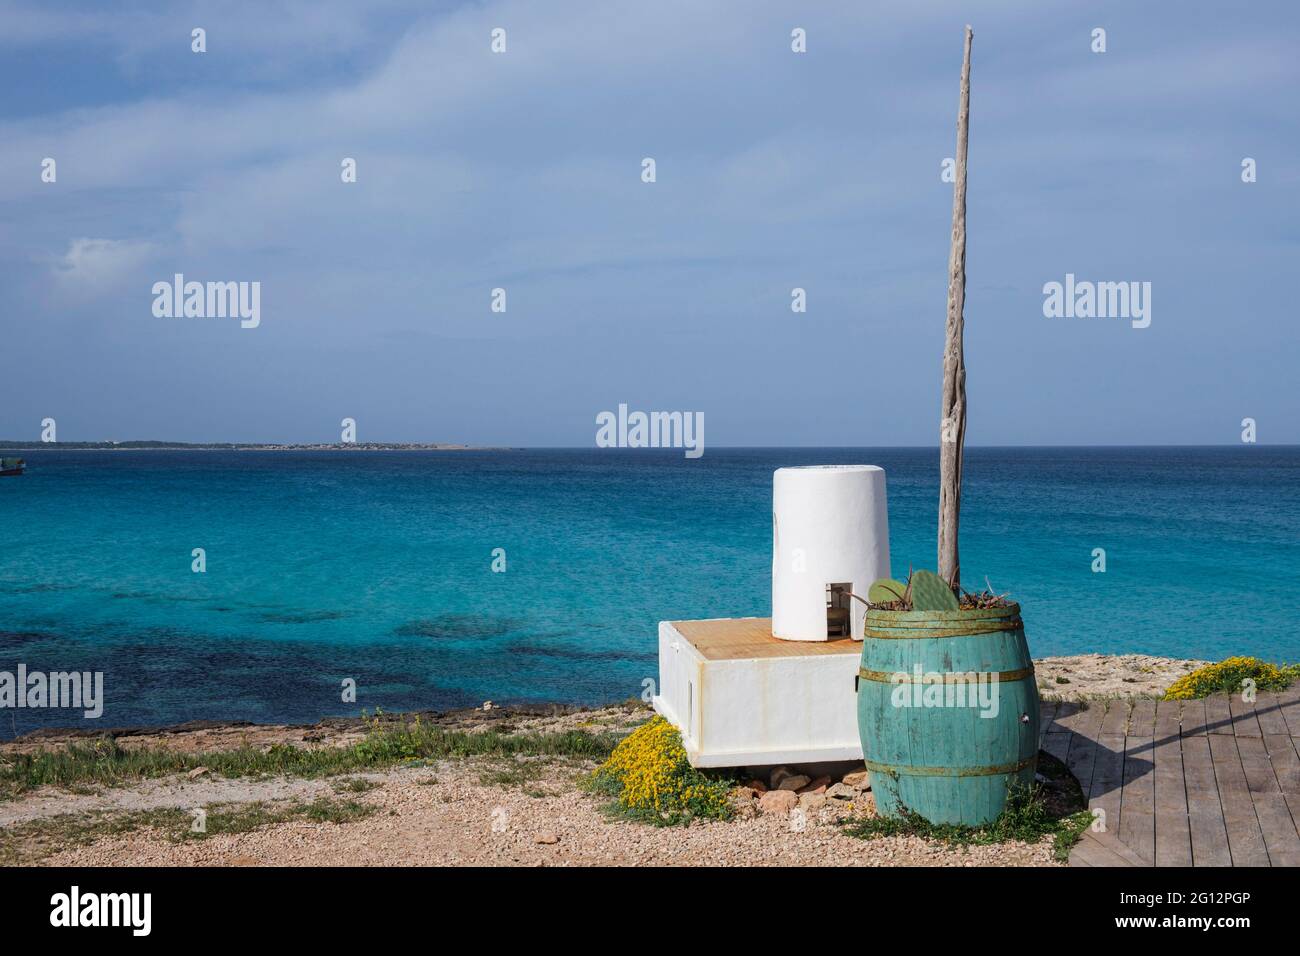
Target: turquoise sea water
(323, 566)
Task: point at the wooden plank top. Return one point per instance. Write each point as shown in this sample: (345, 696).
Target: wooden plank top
(1269, 711)
(747, 638)
(1168, 715)
(1213, 782)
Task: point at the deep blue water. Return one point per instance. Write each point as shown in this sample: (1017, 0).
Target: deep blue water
(377, 566)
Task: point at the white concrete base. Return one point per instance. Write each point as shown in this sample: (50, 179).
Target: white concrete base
(741, 697)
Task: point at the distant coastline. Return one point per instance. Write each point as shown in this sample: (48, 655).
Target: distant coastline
(241, 446)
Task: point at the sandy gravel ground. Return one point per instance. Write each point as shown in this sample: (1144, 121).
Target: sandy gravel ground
(458, 821)
(1085, 676)
(454, 814)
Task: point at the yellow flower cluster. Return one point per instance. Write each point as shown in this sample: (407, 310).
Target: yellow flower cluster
(651, 773)
(1227, 675)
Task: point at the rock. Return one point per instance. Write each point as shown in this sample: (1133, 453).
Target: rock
(547, 839)
(197, 772)
(812, 802)
(816, 786)
(841, 791)
(488, 705)
(793, 783)
(778, 801)
(758, 786)
(858, 780)
(743, 807)
(779, 774)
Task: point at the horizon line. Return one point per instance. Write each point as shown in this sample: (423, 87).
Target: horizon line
(400, 445)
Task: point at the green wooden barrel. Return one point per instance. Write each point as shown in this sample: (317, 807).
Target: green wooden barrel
(947, 711)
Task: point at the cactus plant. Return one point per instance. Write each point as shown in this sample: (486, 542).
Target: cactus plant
(930, 593)
(886, 590)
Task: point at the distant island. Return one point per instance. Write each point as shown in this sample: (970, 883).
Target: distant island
(241, 446)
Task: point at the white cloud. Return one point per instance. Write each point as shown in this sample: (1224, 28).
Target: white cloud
(94, 264)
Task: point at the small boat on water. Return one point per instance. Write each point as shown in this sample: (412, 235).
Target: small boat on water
(12, 466)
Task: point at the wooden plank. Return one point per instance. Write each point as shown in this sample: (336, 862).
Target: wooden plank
(1194, 721)
(1070, 717)
(1168, 716)
(1204, 810)
(1058, 745)
(1115, 723)
(751, 637)
(1046, 711)
(1289, 705)
(1281, 840)
(1137, 828)
(1081, 759)
(1244, 721)
(1245, 840)
(1173, 829)
(1088, 721)
(1119, 848)
(1269, 711)
(1286, 767)
(1101, 849)
(1286, 762)
(1105, 791)
(1142, 718)
(1218, 718)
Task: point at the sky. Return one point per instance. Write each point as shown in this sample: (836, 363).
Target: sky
(522, 170)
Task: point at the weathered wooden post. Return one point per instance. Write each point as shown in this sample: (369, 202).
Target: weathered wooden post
(953, 407)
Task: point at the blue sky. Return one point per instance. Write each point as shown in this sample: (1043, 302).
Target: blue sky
(522, 170)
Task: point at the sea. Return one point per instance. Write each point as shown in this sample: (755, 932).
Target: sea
(443, 579)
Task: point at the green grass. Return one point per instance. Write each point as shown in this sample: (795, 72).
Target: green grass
(1057, 809)
(387, 744)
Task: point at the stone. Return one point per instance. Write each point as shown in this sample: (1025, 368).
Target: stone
(742, 793)
(488, 705)
(793, 783)
(758, 786)
(858, 780)
(547, 839)
(816, 786)
(779, 774)
(778, 801)
(812, 802)
(742, 807)
(197, 772)
(841, 791)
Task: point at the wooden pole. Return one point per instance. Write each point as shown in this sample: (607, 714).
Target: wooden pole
(953, 407)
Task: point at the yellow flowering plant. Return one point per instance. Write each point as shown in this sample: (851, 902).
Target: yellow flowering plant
(1228, 675)
(650, 778)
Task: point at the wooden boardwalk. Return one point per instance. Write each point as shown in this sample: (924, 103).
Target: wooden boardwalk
(1212, 782)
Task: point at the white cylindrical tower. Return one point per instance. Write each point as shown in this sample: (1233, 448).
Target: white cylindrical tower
(830, 536)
